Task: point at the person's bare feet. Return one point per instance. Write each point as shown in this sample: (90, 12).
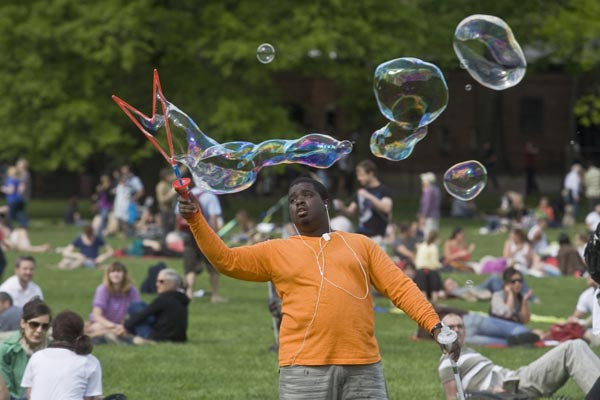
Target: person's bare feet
(218, 299)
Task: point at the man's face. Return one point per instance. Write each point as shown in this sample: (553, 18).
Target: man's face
(305, 205)
(363, 177)
(25, 271)
(456, 323)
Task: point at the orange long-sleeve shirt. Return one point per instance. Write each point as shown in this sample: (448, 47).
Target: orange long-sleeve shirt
(343, 328)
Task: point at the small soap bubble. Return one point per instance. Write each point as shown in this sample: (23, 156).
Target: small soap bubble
(487, 47)
(410, 92)
(395, 143)
(468, 87)
(572, 142)
(265, 53)
(469, 283)
(465, 180)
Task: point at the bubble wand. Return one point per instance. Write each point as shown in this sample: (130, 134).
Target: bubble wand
(446, 338)
(181, 185)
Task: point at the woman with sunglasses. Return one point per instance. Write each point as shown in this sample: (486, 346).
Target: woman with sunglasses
(16, 351)
(66, 370)
(165, 319)
(509, 303)
(112, 300)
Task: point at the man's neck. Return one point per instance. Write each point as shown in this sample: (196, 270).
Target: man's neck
(313, 233)
(23, 283)
(373, 183)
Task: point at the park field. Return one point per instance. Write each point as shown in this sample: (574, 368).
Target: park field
(227, 355)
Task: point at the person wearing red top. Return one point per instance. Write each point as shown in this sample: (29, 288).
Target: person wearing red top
(327, 342)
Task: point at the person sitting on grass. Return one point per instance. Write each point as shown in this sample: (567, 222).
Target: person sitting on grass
(84, 251)
(21, 286)
(16, 350)
(327, 346)
(10, 315)
(542, 377)
(569, 260)
(457, 253)
(166, 318)
(509, 303)
(66, 369)
(584, 309)
(112, 300)
(17, 239)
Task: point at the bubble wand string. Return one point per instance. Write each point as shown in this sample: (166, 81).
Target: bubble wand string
(181, 185)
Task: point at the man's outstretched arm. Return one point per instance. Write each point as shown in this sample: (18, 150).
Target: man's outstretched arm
(248, 263)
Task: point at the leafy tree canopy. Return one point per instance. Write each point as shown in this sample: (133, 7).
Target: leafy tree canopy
(63, 59)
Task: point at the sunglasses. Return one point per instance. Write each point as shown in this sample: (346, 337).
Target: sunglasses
(35, 325)
(457, 326)
(516, 281)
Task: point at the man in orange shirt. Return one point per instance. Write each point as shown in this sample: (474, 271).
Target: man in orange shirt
(327, 342)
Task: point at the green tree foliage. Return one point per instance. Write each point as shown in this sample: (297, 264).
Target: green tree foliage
(63, 59)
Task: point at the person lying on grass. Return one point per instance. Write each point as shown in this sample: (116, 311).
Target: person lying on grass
(542, 377)
(327, 343)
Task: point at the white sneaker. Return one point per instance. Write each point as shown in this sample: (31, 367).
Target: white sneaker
(199, 293)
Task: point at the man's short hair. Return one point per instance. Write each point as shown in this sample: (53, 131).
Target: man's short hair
(27, 257)
(4, 297)
(368, 166)
(318, 186)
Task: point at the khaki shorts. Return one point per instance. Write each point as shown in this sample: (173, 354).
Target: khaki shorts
(332, 382)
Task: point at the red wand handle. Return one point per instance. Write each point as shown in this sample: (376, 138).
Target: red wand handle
(182, 186)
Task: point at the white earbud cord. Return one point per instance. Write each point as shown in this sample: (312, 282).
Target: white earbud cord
(323, 278)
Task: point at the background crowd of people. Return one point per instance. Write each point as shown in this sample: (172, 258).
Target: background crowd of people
(150, 224)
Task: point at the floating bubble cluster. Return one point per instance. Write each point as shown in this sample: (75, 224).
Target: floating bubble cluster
(410, 92)
(469, 283)
(487, 48)
(265, 53)
(395, 143)
(465, 180)
(228, 167)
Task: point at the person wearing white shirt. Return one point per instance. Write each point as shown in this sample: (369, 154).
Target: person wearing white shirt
(572, 187)
(585, 307)
(20, 286)
(66, 370)
(593, 219)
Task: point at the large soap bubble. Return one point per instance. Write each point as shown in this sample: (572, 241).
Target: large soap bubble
(227, 167)
(465, 180)
(487, 48)
(395, 143)
(410, 92)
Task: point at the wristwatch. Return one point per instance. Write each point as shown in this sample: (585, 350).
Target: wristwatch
(439, 325)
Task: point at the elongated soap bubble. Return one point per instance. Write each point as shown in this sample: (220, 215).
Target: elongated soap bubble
(410, 92)
(225, 167)
(465, 180)
(265, 53)
(487, 48)
(395, 143)
(234, 166)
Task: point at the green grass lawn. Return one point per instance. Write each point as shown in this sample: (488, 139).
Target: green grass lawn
(227, 354)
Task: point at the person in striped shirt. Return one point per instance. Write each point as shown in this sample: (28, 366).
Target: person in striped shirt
(542, 377)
